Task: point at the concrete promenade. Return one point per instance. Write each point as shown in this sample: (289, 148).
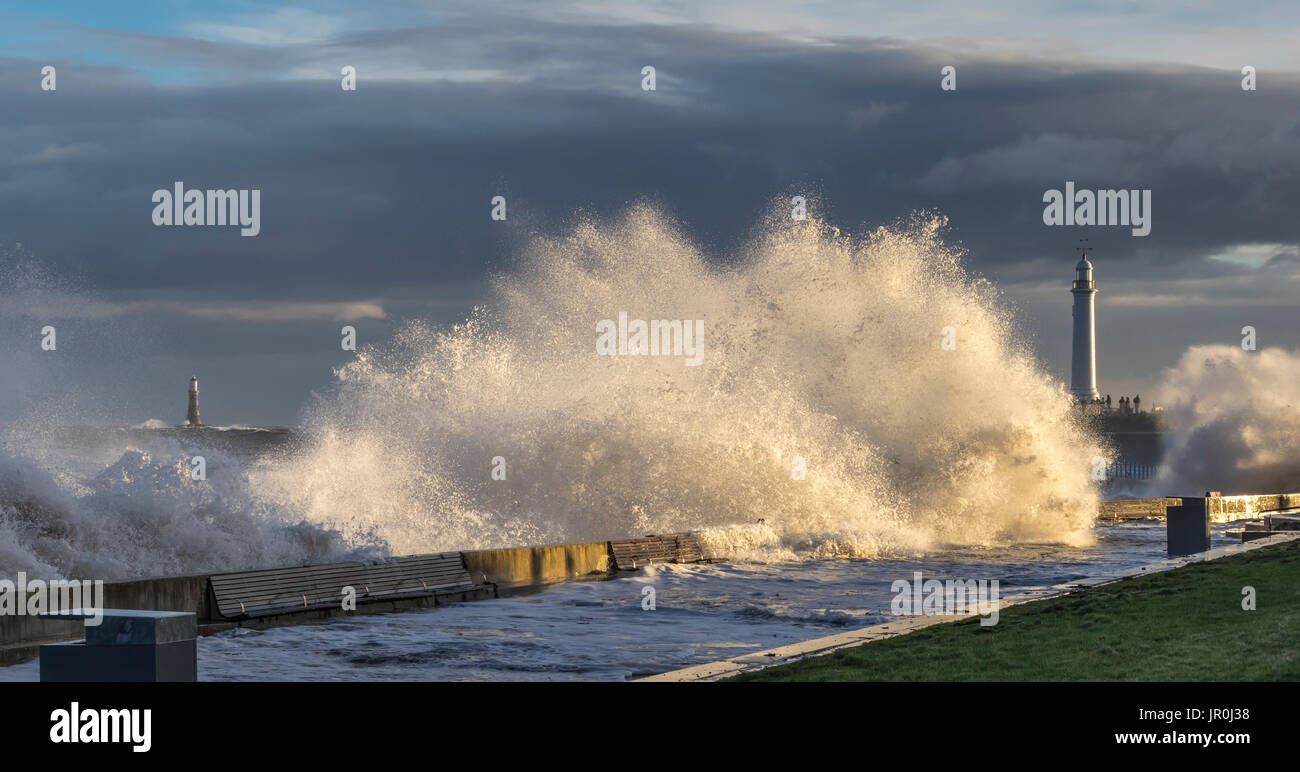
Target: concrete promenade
(713, 671)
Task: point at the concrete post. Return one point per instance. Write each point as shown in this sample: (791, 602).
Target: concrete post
(1188, 527)
(127, 646)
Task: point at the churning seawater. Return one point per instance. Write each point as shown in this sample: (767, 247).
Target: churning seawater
(598, 630)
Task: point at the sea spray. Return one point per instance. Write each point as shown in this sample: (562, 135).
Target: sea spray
(79, 498)
(1234, 417)
(823, 353)
(144, 515)
(821, 346)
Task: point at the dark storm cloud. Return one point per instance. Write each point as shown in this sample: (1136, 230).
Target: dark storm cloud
(389, 185)
(383, 194)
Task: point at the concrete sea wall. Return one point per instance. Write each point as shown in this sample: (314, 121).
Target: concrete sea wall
(534, 566)
(1221, 509)
(1225, 508)
(492, 571)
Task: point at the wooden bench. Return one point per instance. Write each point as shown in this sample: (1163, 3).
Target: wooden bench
(631, 554)
(251, 594)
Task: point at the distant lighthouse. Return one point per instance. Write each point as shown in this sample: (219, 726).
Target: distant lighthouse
(1083, 371)
(192, 417)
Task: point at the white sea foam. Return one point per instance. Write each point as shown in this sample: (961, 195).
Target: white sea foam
(1235, 416)
(143, 515)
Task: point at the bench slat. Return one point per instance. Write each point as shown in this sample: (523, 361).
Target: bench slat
(245, 594)
(669, 548)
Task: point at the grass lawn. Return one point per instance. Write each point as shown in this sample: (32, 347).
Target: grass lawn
(1182, 625)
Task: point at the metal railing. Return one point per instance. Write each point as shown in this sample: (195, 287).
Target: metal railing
(1129, 471)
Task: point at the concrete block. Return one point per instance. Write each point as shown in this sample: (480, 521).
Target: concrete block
(1187, 527)
(133, 627)
(77, 662)
(127, 646)
(121, 627)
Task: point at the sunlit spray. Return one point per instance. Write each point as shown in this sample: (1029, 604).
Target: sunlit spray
(821, 346)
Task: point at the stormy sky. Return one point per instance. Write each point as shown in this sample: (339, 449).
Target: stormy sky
(375, 203)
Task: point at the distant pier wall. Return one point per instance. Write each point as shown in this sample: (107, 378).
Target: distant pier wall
(1138, 447)
(1135, 509)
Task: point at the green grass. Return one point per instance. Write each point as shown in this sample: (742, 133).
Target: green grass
(1180, 625)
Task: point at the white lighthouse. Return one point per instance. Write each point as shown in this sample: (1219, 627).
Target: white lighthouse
(1083, 370)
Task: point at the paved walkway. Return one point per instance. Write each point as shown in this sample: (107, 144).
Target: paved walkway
(712, 671)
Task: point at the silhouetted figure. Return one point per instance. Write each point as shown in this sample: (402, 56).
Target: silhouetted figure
(1137, 404)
